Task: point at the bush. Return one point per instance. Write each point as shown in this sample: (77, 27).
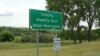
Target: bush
(6, 36)
(45, 37)
(17, 39)
(25, 39)
(65, 35)
(95, 36)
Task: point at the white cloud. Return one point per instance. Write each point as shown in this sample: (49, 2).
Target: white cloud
(3, 10)
(83, 23)
(18, 11)
(1, 3)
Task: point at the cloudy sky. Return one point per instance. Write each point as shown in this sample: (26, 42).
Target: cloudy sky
(15, 13)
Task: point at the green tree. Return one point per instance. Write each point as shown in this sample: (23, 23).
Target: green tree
(6, 36)
(87, 10)
(91, 14)
(71, 10)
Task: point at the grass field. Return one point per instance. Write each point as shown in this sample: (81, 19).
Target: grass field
(29, 49)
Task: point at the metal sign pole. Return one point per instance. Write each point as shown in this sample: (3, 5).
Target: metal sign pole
(56, 34)
(37, 43)
(56, 50)
(57, 53)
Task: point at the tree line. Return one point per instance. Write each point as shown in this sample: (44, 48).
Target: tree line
(75, 11)
(25, 35)
(12, 34)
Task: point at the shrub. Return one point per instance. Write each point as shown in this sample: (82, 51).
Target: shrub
(6, 36)
(45, 37)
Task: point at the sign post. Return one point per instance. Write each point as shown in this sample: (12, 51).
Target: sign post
(56, 45)
(44, 20)
(37, 41)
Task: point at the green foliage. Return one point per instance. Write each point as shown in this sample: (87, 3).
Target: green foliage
(6, 36)
(25, 39)
(84, 35)
(17, 39)
(28, 49)
(46, 37)
(64, 35)
(73, 21)
(96, 34)
(74, 11)
(24, 35)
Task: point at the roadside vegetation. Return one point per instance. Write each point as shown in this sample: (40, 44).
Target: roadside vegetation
(29, 49)
(24, 35)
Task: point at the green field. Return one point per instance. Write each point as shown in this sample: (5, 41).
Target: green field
(29, 49)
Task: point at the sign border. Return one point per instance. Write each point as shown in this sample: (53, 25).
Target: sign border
(45, 29)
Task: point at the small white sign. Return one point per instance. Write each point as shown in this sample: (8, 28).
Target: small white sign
(56, 44)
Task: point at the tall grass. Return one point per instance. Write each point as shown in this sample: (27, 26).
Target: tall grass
(29, 49)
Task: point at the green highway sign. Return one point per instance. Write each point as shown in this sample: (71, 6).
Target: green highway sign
(45, 20)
